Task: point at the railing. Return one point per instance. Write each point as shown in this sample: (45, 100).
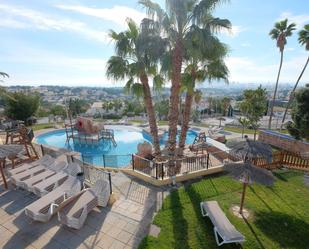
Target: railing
(174, 167)
(284, 158)
(112, 161)
(91, 174)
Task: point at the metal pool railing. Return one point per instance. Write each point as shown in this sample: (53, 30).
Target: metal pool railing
(112, 161)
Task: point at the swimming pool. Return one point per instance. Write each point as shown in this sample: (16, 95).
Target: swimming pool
(104, 153)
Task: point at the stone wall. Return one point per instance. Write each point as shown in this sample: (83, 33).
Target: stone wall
(283, 141)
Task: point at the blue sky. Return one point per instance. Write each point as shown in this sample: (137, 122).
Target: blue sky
(66, 43)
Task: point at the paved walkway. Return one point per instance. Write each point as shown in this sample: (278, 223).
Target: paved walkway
(123, 225)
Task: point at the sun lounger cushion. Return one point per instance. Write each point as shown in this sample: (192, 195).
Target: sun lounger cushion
(222, 225)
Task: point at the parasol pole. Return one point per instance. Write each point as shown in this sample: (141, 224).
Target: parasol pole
(245, 183)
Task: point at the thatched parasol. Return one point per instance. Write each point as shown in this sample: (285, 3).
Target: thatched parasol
(246, 172)
(248, 149)
(221, 119)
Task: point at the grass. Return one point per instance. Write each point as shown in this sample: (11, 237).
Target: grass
(37, 127)
(279, 214)
(239, 130)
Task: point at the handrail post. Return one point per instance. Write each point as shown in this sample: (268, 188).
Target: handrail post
(133, 162)
(207, 161)
(42, 149)
(162, 170)
(110, 183)
(156, 165)
(103, 160)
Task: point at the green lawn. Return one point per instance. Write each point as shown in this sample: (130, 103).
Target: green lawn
(280, 214)
(239, 130)
(37, 127)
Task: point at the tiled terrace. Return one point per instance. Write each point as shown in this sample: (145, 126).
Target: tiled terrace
(122, 225)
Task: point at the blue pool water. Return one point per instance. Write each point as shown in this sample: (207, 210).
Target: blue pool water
(127, 139)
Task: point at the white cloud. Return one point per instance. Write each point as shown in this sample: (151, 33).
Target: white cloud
(116, 14)
(37, 66)
(234, 31)
(243, 69)
(300, 20)
(19, 17)
(245, 44)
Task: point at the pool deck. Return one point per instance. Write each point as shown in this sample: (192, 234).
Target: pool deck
(120, 226)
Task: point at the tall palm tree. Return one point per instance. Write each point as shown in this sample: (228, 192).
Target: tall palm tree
(137, 53)
(279, 33)
(303, 39)
(194, 73)
(180, 22)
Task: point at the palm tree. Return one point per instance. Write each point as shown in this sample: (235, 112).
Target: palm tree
(182, 21)
(303, 39)
(136, 55)
(4, 75)
(3, 92)
(279, 33)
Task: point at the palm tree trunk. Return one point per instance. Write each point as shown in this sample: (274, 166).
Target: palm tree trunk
(292, 93)
(185, 121)
(275, 93)
(174, 98)
(151, 114)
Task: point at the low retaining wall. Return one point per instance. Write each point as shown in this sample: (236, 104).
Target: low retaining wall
(284, 142)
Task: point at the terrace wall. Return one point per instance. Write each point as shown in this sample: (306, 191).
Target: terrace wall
(283, 141)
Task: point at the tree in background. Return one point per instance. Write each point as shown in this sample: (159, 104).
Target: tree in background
(244, 124)
(77, 106)
(161, 108)
(299, 128)
(58, 110)
(225, 104)
(21, 106)
(279, 33)
(181, 22)
(137, 54)
(253, 106)
(303, 39)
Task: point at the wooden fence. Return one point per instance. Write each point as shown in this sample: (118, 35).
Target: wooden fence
(284, 159)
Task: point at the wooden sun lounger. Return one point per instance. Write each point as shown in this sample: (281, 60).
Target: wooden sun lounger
(224, 231)
(30, 182)
(45, 207)
(75, 210)
(47, 185)
(45, 160)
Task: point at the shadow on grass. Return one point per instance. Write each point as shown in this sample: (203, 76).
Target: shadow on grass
(180, 225)
(260, 198)
(286, 230)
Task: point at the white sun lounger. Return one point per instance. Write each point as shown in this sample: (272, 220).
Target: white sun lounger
(44, 161)
(224, 231)
(44, 187)
(30, 182)
(45, 207)
(75, 210)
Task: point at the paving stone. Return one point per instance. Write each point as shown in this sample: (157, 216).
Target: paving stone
(117, 245)
(154, 230)
(124, 237)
